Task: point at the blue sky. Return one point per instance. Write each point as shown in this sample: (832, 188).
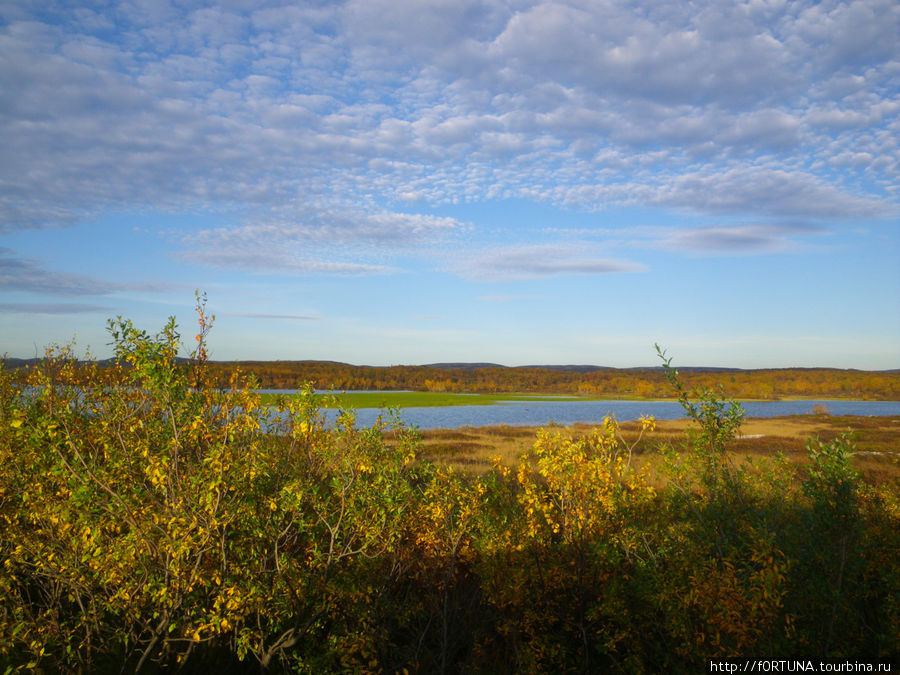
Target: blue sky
(384, 182)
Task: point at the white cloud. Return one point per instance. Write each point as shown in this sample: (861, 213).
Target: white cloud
(271, 111)
(287, 317)
(751, 239)
(763, 129)
(772, 192)
(326, 241)
(273, 261)
(653, 53)
(848, 34)
(541, 260)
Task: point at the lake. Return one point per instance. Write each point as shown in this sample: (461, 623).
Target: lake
(540, 413)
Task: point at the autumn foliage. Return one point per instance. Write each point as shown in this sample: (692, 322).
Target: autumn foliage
(763, 384)
(165, 522)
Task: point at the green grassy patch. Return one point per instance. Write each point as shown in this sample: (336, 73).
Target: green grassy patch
(418, 399)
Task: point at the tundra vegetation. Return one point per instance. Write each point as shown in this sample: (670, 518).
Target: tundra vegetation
(150, 520)
(761, 384)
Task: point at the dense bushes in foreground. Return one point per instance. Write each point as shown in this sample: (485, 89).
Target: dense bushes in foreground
(170, 524)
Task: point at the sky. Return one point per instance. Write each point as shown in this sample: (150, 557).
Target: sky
(407, 182)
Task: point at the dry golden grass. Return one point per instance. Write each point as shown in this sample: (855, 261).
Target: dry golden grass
(877, 440)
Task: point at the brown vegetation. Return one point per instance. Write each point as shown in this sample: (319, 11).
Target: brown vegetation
(877, 440)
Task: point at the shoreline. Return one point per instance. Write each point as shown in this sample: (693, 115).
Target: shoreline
(415, 399)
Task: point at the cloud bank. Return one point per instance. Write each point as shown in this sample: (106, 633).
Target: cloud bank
(326, 131)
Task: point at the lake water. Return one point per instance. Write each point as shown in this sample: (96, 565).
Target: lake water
(539, 413)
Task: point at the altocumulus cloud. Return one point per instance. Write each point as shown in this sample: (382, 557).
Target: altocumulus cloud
(319, 241)
(349, 110)
(767, 191)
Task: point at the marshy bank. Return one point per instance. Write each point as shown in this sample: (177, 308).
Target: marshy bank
(877, 441)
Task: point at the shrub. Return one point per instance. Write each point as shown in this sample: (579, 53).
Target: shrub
(160, 520)
(150, 520)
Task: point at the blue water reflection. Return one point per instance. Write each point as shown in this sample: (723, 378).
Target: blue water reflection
(539, 413)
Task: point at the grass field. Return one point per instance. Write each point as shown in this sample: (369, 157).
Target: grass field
(418, 399)
(430, 399)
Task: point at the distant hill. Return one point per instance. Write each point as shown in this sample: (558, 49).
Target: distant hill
(12, 362)
(571, 379)
(462, 366)
(18, 363)
(573, 368)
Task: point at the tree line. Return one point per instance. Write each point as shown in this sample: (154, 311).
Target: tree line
(768, 384)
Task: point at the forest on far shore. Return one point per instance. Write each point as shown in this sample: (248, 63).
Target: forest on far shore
(769, 384)
(762, 384)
